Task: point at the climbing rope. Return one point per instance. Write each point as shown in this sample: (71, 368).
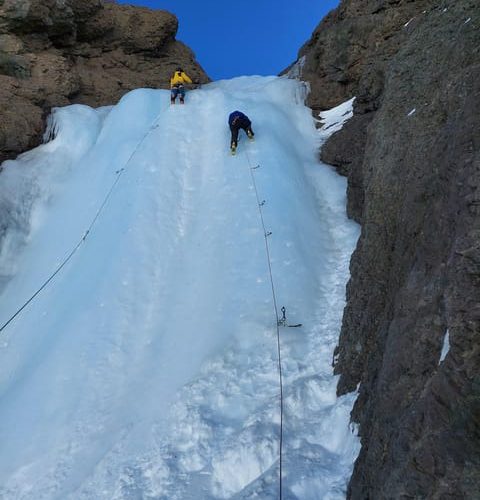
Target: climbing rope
(118, 174)
(278, 322)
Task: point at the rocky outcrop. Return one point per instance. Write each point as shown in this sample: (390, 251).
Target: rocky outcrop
(351, 46)
(58, 52)
(412, 156)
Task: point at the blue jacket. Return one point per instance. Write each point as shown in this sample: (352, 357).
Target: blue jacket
(238, 119)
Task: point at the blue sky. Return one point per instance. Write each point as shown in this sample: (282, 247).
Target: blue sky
(246, 37)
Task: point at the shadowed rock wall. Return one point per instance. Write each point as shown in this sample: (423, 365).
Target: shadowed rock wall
(412, 156)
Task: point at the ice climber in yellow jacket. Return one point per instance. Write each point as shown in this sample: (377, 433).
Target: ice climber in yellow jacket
(177, 84)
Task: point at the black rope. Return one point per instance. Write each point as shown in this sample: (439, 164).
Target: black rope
(87, 232)
(260, 204)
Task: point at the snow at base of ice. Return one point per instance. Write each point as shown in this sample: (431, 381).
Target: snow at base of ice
(148, 367)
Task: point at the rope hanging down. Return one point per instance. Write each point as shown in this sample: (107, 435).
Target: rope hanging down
(266, 233)
(118, 174)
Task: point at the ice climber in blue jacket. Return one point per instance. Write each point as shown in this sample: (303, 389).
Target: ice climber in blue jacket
(236, 121)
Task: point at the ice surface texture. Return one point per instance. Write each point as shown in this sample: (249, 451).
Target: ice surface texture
(148, 367)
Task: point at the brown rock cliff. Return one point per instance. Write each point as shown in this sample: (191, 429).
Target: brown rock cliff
(58, 52)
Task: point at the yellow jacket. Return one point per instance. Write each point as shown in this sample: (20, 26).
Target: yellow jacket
(179, 78)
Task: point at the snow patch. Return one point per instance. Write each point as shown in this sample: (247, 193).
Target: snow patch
(413, 111)
(445, 346)
(246, 461)
(334, 119)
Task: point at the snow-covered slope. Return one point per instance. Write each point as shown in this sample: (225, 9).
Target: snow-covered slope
(147, 367)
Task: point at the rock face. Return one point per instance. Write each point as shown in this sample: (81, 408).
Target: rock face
(412, 156)
(58, 52)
